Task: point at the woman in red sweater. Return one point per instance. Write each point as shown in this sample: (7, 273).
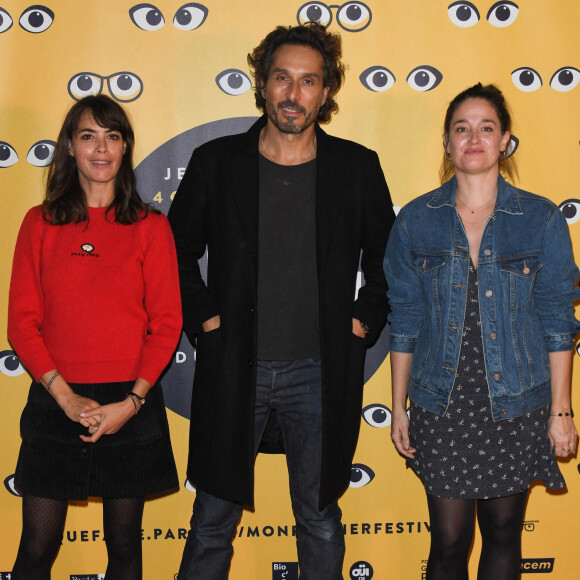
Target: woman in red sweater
(94, 315)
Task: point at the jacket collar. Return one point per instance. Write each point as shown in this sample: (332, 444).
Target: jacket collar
(507, 196)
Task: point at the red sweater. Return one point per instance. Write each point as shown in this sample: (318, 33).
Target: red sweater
(98, 301)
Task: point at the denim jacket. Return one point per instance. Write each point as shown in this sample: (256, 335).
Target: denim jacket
(526, 284)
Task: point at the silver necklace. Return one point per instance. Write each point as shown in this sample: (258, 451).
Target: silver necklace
(270, 157)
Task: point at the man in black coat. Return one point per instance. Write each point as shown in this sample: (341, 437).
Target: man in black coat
(284, 211)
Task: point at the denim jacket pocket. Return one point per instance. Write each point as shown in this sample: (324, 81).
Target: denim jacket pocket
(518, 276)
(430, 270)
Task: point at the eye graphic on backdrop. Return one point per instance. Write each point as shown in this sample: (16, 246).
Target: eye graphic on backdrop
(351, 16)
(571, 210)
(40, 154)
(10, 364)
(463, 14)
(526, 79)
(85, 84)
(512, 146)
(147, 17)
(377, 415)
(190, 16)
(8, 156)
(5, 21)
(314, 12)
(377, 78)
(36, 19)
(565, 79)
(354, 16)
(123, 86)
(9, 485)
(233, 82)
(502, 14)
(424, 78)
(360, 475)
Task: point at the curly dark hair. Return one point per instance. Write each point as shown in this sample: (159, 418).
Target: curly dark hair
(310, 34)
(495, 98)
(65, 201)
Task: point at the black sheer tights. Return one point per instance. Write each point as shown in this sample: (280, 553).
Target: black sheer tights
(42, 529)
(452, 523)
(42, 526)
(122, 519)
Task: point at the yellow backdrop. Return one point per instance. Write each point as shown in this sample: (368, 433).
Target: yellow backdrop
(181, 70)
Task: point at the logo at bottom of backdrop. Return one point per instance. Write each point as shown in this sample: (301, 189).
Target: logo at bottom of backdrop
(158, 177)
(284, 570)
(361, 569)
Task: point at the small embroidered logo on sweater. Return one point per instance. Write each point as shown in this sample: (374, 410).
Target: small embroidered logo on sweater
(87, 251)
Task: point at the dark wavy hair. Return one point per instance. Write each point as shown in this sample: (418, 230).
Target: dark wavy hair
(310, 34)
(65, 201)
(490, 93)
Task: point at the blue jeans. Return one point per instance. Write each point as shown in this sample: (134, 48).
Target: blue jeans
(294, 390)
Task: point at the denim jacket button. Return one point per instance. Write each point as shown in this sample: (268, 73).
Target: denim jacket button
(503, 411)
(496, 377)
(487, 252)
(489, 293)
(493, 336)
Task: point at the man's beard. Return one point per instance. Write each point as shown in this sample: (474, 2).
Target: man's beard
(276, 115)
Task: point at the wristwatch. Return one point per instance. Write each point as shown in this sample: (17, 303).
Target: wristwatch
(136, 397)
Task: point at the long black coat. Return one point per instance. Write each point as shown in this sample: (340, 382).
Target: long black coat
(216, 206)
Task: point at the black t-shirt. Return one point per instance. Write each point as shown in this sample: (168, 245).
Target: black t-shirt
(288, 327)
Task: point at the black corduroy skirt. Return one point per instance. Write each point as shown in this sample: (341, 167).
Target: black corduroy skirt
(54, 462)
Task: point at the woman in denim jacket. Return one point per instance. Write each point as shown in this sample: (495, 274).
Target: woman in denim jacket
(481, 286)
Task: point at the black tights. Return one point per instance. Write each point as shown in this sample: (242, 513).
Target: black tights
(42, 529)
(452, 525)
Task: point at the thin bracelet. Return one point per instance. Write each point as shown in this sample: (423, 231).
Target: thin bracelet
(134, 403)
(51, 379)
(565, 414)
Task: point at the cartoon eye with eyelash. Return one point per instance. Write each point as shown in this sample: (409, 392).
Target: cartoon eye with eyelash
(10, 364)
(125, 86)
(147, 17)
(9, 485)
(463, 14)
(8, 156)
(5, 21)
(571, 210)
(233, 82)
(424, 78)
(354, 16)
(502, 14)
(36, 19)
(377, 79)
(565, 79)
(190, 16)
(360, 475)
(40, 154)
(526, 79)
(377, 415)
(315, 12)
